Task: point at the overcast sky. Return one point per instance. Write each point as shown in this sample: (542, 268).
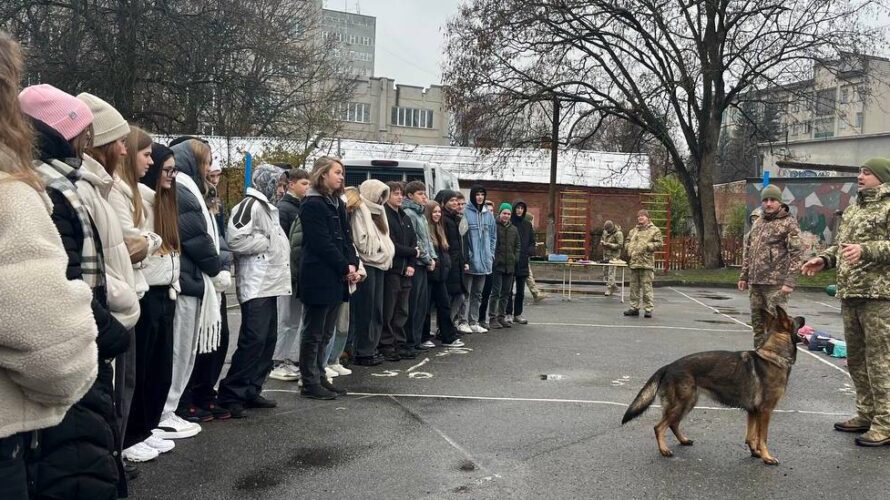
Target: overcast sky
(409, 36)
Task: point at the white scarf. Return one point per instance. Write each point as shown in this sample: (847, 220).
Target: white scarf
(210, 320)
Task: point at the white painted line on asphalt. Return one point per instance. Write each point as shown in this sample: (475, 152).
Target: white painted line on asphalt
(814, 356)
(827, 305)
(641, 327)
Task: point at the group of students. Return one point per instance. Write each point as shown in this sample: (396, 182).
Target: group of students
(116, 253)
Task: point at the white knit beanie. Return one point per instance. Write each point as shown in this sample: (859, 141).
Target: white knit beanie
(108, 124)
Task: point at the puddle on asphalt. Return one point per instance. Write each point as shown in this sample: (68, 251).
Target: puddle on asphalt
(303, 459)
(714, 321)
(552, 376)
(713, 296)
(467, 466)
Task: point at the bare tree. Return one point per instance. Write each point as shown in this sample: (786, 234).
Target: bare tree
(669, 67)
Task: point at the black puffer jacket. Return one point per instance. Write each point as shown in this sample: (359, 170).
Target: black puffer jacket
(456, 252)
(402, 234)
(199, 254)
(526, 239)
(327, 250)
(288, 211)
(78, 458)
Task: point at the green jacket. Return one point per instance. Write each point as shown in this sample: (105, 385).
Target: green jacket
(612, 243)
(506, 253)
(866, 222)
(296, 254)
(772, 251)
(641, 244)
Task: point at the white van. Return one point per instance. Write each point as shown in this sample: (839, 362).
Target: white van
(436, 178)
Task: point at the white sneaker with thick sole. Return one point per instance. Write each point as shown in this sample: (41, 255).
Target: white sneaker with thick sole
(456, 343)
(140, 452)
(329, 372)
(283, 372)
(429, 344)
(520, 320)
(508, 318)
(162, 445)
(464, 328)
(340, 369)
(173, 427)
(478, 329)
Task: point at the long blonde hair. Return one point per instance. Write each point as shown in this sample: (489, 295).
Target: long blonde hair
(17, 138)
(137, 140)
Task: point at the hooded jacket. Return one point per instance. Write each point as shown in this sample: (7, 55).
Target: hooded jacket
(288, 211)
(403, 237)
(199, 253)
(417, 214)
(641, 244)
(454, 280)
(481, 236)
(373, 245)
(327, 250)
(772, 254)
(121, 200)
(526, 238)
(255, 237)
(613, 242)
(508, 248)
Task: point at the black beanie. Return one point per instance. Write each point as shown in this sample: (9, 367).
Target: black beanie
(159, 154)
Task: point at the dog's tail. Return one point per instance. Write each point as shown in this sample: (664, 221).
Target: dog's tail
(644, 399)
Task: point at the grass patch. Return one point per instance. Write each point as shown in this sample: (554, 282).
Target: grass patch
(730, 275)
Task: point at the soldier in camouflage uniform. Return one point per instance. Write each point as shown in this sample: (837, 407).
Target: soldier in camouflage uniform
(642, 242)
(612, 241)
(771, 259)
(862, 259)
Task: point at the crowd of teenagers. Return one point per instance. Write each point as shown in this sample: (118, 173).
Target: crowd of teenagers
(116, 254)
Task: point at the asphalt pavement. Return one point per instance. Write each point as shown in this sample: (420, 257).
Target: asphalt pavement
(534, 412)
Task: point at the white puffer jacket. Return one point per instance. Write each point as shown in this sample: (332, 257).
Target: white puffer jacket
(158, 269)
(121, 200)
(261, 249)
(48, 355)
(94, 187)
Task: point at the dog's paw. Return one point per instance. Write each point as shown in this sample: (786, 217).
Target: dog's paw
(770, 460)
(666, 452)
(688, 442)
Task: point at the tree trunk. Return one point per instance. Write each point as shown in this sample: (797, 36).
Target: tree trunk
(706, 222)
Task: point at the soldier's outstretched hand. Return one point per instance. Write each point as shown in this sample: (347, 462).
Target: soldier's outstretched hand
(813, 266)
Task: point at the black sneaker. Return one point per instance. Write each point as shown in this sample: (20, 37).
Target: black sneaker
(422, 347)
(392, 356)
(647, 314)
(131, 470)
(218, 412)
(632, 312)
(261, 402)
(317, 392)
(407, 354)
(195, 414)
(504, 323)
(331, 387)
(367, 361)
(236, 410)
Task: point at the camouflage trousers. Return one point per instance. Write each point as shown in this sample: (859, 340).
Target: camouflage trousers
(764, 296)
(532, 286)
(609, 277)
(641, 289)
(867, 332)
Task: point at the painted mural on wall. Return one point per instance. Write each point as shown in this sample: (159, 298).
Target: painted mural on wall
(815, 202)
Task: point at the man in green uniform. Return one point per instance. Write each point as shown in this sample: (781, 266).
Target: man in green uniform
(772, 259)
(642, 242)
(612, 241)
(862, 259)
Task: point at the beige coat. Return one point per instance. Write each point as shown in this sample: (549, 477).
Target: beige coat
(121, 200)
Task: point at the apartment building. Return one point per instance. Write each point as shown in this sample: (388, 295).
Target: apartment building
(356, 34)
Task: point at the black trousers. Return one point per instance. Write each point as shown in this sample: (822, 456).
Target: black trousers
(440, 303)
(514, 305)
(13, 469)
(201, 390)
(154, 363)
(367, 306)
(418, 307)
(486, 294)
(252, 360)
(319, 322)
(396, 294)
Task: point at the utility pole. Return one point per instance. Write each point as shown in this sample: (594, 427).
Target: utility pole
(554, 156)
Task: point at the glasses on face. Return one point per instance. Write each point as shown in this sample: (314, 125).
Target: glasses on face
(170, 172)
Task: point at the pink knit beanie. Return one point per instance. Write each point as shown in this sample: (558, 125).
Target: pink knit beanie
(65, 113)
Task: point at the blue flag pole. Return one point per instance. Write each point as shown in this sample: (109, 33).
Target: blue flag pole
(248, 169)
(765, 178)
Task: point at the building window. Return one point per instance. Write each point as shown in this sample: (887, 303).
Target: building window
(823, 127)
(858, 123)
(412, 117)
(845, 95)
(826, 102)
(356, 112)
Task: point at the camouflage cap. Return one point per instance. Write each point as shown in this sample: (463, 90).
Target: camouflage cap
(772, 191)
(880, 167)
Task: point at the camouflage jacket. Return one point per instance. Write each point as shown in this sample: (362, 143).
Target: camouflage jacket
(772, 251)
(612, 243)
(866, 222)
(641, 244)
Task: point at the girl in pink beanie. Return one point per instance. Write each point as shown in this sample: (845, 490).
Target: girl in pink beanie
(64, 113)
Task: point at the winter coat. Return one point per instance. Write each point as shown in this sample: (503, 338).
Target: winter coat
(373, 245)
(94, 187)
(526, 239)
(417, 214)
(48, 355)
(295, 237)
(867, 223)
(121, 200)
(79, 454)
(481, 237)
(327, 250)
(261, 248)
(641, 244)
(443, 266)
(288, 211)
(158, 269)
(506, 254)
(456, 253)
(613, 242)
(772, 251)
(404, 239)
(199, 254)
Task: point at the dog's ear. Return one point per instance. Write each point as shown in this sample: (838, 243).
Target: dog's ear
(799, 322)
(769, 321)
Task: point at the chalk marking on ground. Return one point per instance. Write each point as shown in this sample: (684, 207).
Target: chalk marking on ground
(418, 365)
(642, 327)
(814, 356)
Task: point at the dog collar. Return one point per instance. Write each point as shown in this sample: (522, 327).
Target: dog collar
(774, 358)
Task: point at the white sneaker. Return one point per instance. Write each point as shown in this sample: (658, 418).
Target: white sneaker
(162, 445)
(464, 328)
(429, 344)
(456, 343)
(509, 318)
(329, 372)
(291, 367)
(173, 427)
(140, 452)
(520, 320)
(340, 369)
(284, 373)
(477, 329)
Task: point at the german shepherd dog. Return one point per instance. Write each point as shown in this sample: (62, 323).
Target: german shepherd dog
(752, 380)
